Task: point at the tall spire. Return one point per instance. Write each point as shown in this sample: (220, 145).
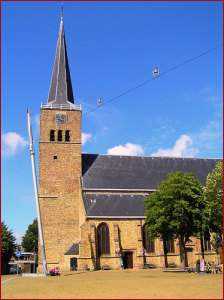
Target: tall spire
(61, 86)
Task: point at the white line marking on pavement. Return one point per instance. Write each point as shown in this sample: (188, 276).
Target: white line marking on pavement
(8, 279)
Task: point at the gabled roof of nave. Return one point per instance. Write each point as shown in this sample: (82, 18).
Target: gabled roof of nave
(61, 86)
(133, 177)
(138, 172)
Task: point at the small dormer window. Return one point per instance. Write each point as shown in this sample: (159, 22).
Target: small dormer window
(59, 135)
(67, 135)
(52, 135)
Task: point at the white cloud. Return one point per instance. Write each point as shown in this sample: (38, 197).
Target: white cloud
(212, 131)
(12, 142)
(210, 137)
(86, 137)
(181, 148)
(128, 149)
(104, 130)
(18, 237)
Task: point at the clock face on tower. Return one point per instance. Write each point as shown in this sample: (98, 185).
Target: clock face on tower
(60, 119)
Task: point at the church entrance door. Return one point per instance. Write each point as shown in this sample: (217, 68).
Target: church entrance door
(128, 260)
(189, 257)
(73, 264)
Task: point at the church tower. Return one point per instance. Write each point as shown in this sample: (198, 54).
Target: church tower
(60, 163)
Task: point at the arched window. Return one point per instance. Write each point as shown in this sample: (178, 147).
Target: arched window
(148, 242)
(103, 239)
(206, 241)
(170, 245)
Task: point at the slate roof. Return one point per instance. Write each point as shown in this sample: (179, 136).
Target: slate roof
(105, 172)
(73, 250)
(114, 205)
(61, 86)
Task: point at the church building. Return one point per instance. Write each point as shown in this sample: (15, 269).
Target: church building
(92, 208)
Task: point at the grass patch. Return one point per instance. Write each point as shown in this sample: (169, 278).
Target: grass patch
(119, 284)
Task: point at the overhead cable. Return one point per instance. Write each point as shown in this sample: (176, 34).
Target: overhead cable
(163, 63)
(151, 79)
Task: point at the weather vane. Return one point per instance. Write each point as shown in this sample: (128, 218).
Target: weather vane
(61, 8)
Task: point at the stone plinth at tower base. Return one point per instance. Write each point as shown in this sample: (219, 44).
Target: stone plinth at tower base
(33, 275)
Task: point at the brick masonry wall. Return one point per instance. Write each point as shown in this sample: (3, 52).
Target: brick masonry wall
(126, 233)
(59, 185)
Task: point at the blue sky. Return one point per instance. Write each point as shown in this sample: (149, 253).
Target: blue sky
(112, 47)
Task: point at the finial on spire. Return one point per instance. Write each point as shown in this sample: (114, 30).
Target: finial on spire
(62, 10)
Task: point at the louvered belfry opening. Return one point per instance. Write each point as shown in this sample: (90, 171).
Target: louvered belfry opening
(103, 239)
(52, 135)
(59, 135)
(67, 135)
(148, 242)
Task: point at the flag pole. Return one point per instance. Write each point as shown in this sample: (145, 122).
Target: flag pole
(36, 193)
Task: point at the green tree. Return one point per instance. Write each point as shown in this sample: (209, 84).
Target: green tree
(176, 210)
(30, 239)
(7, 247)
(214, 197)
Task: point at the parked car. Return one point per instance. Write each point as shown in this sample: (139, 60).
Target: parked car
(13, 270)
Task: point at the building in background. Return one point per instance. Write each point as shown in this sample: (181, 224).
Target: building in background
(26, 262)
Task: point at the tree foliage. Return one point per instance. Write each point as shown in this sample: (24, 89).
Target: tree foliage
(176, 210)
(7, 247)
(30, 239)
(214, 198)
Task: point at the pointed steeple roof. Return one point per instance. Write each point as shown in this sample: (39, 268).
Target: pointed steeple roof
(61, 86)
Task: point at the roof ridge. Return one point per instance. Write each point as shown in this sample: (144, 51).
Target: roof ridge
(149, 156)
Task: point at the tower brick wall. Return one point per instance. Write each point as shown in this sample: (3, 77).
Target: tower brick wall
(59, 184)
